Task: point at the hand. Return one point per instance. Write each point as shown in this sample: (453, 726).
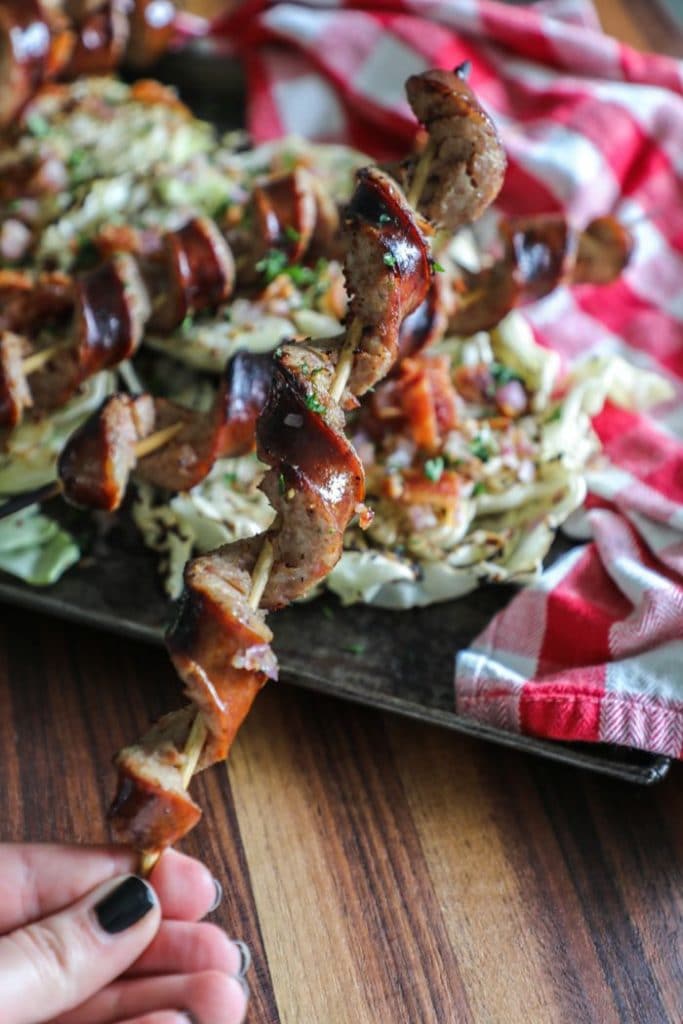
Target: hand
(84, 941)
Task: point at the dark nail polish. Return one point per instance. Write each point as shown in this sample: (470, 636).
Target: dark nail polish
(245, 955)
(125, 906)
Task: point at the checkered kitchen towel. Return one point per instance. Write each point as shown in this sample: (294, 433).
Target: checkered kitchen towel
(594, 650)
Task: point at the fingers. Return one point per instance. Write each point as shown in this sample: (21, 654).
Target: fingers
(209, 997)
(183, 948)
(163, 1017)
(63, 959)
(187, 890)
(38, 879)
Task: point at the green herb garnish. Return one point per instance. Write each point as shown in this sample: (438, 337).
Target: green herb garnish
(384, 218)
(357, 648)
(478, 488)
(281, 485)
(480, 448)
(438, 267)
(272, 264)
(230, 478)
(313, 404)
(187, 322)
(301, 276)
(37, 126)
(433, 469)
(292, 234)
(389, 259)
(555, 415)
(503, 374)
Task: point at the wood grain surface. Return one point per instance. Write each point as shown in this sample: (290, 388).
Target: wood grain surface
(382, 871)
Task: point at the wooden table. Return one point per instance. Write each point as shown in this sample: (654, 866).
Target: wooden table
(383, 872)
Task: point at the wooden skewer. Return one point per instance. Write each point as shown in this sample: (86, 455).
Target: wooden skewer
(39, 494)
(264, 562)
(39, 359)
(259, 579)
(422, 170)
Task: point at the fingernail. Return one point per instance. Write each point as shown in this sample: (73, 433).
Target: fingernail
(218, 897)
(125, 906)
(245, 992)
(245, 957)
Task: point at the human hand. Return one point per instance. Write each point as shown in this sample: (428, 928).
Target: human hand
(83, 941)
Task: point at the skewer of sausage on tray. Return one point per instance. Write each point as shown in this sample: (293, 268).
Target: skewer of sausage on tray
(290, 404)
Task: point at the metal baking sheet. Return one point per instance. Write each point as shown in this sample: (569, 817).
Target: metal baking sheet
(397, 661)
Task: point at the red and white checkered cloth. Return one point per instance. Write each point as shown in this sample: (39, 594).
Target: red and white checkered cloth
(594, 650)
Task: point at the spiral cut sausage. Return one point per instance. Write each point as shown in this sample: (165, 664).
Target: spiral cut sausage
(98, 459)
(219, 644)
(541, 253)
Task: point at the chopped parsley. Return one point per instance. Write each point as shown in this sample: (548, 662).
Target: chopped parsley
(230, 478)
(272, 264)
(433, 469)
(292, 234)
(438, 267)
(281, 483)
(503, 374)
(37, 126)
(478, 488)
(357, 648)
(389, 259)
(384, 218)
(275, 262)
(313, 404)
(555, 415)
(480, 448)
(187, 322)
(301, 276)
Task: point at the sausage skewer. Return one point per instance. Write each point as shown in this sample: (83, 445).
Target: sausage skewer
(220, 644)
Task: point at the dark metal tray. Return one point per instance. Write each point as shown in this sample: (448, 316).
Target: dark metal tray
(397, 661)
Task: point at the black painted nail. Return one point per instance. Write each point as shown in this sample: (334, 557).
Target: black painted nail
(125, 906)
(218, 897)
(245, 957)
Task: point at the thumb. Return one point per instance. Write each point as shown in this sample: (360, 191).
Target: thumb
(55, 964)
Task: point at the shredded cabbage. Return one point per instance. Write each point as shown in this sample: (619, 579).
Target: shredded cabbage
(35, 548)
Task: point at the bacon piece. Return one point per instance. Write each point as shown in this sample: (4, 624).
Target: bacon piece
(468, 161)
(151, 809)
(25, 176)
(388, 272)
(316, 479)
(95, 464)
(228, 429)
(428, 400)
(414, 488)
(194, 271)
(15, 394)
